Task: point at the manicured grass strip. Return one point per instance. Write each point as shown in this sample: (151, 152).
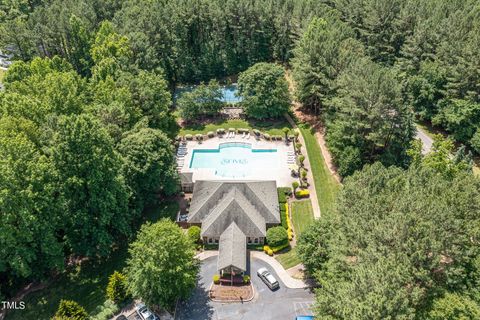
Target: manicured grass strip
(302, 216)
(2, 74)
(270, 127)
(86, 284)
(325, 184)
(288, 258)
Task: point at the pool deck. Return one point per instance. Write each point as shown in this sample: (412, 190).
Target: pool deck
(281, 174)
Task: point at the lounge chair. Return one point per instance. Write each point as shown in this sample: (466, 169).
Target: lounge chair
(243, 135)
(248, 136)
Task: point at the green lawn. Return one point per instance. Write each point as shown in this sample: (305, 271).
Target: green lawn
(325, 184)
(288, 258)
(302, 216)
(85, 284)
(272, 127)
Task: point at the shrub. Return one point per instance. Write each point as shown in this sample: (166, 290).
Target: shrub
(194, 234)
(279, 248)
(298, 146)
(246, 279)
(117, 287)
(199, 137)
(188, 137)
(68, 309)
(270, 252)
(266, 136)
(255, 246)
(231, 129)
(210, 134)
(257, 132)
(302, 194)
(178, 138)
(277, 236)
(295, 185)
(286, 190)
(266, 248)
(282, 198)
(220, 131)
(106, 311)
(283, 217)
(301, 158)
(291, 137)
(290, 235)
(303, 173)
(216, 279)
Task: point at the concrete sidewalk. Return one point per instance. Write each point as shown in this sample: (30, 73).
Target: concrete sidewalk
(312, 188)
(206, 254)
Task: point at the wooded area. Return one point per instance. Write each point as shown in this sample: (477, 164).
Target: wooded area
(87, 122)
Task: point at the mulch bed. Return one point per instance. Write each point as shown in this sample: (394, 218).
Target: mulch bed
(228, 293)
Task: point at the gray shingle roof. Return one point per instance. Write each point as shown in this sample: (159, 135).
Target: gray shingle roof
(261, 195)
(234, 207)
(232, 249)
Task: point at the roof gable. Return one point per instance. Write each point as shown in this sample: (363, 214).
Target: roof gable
(234, 208)
(232, 248)
(260, 195)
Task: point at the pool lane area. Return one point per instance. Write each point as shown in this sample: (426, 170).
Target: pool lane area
(238, 159)
(234, 159)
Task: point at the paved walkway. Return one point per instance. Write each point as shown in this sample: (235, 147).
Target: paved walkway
(426, 140)
(312, 188)
(206, 254)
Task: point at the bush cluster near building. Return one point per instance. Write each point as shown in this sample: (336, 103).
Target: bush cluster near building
(277, 236)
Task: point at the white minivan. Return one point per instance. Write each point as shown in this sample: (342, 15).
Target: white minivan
(268, 278)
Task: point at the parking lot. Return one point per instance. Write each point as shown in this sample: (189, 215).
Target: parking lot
(283, 303)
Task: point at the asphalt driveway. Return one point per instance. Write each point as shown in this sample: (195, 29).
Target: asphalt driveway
(283, 303)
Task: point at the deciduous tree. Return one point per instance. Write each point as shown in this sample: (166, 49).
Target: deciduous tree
(161, 267)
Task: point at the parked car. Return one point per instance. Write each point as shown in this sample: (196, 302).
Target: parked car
(145, 313)
(122, 317)
(305, 318)
(268, 278)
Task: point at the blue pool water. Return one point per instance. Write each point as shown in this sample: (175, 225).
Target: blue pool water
(229, 93)
(234, 159)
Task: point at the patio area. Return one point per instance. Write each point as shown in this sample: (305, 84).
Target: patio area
(280, 169)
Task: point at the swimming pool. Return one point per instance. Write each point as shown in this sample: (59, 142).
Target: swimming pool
(235, 159)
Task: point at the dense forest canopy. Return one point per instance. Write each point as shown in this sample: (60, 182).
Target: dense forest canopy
(86, 128)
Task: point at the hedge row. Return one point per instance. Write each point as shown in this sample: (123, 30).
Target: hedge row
(283, 215)
(271, 250)
(289, 223)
